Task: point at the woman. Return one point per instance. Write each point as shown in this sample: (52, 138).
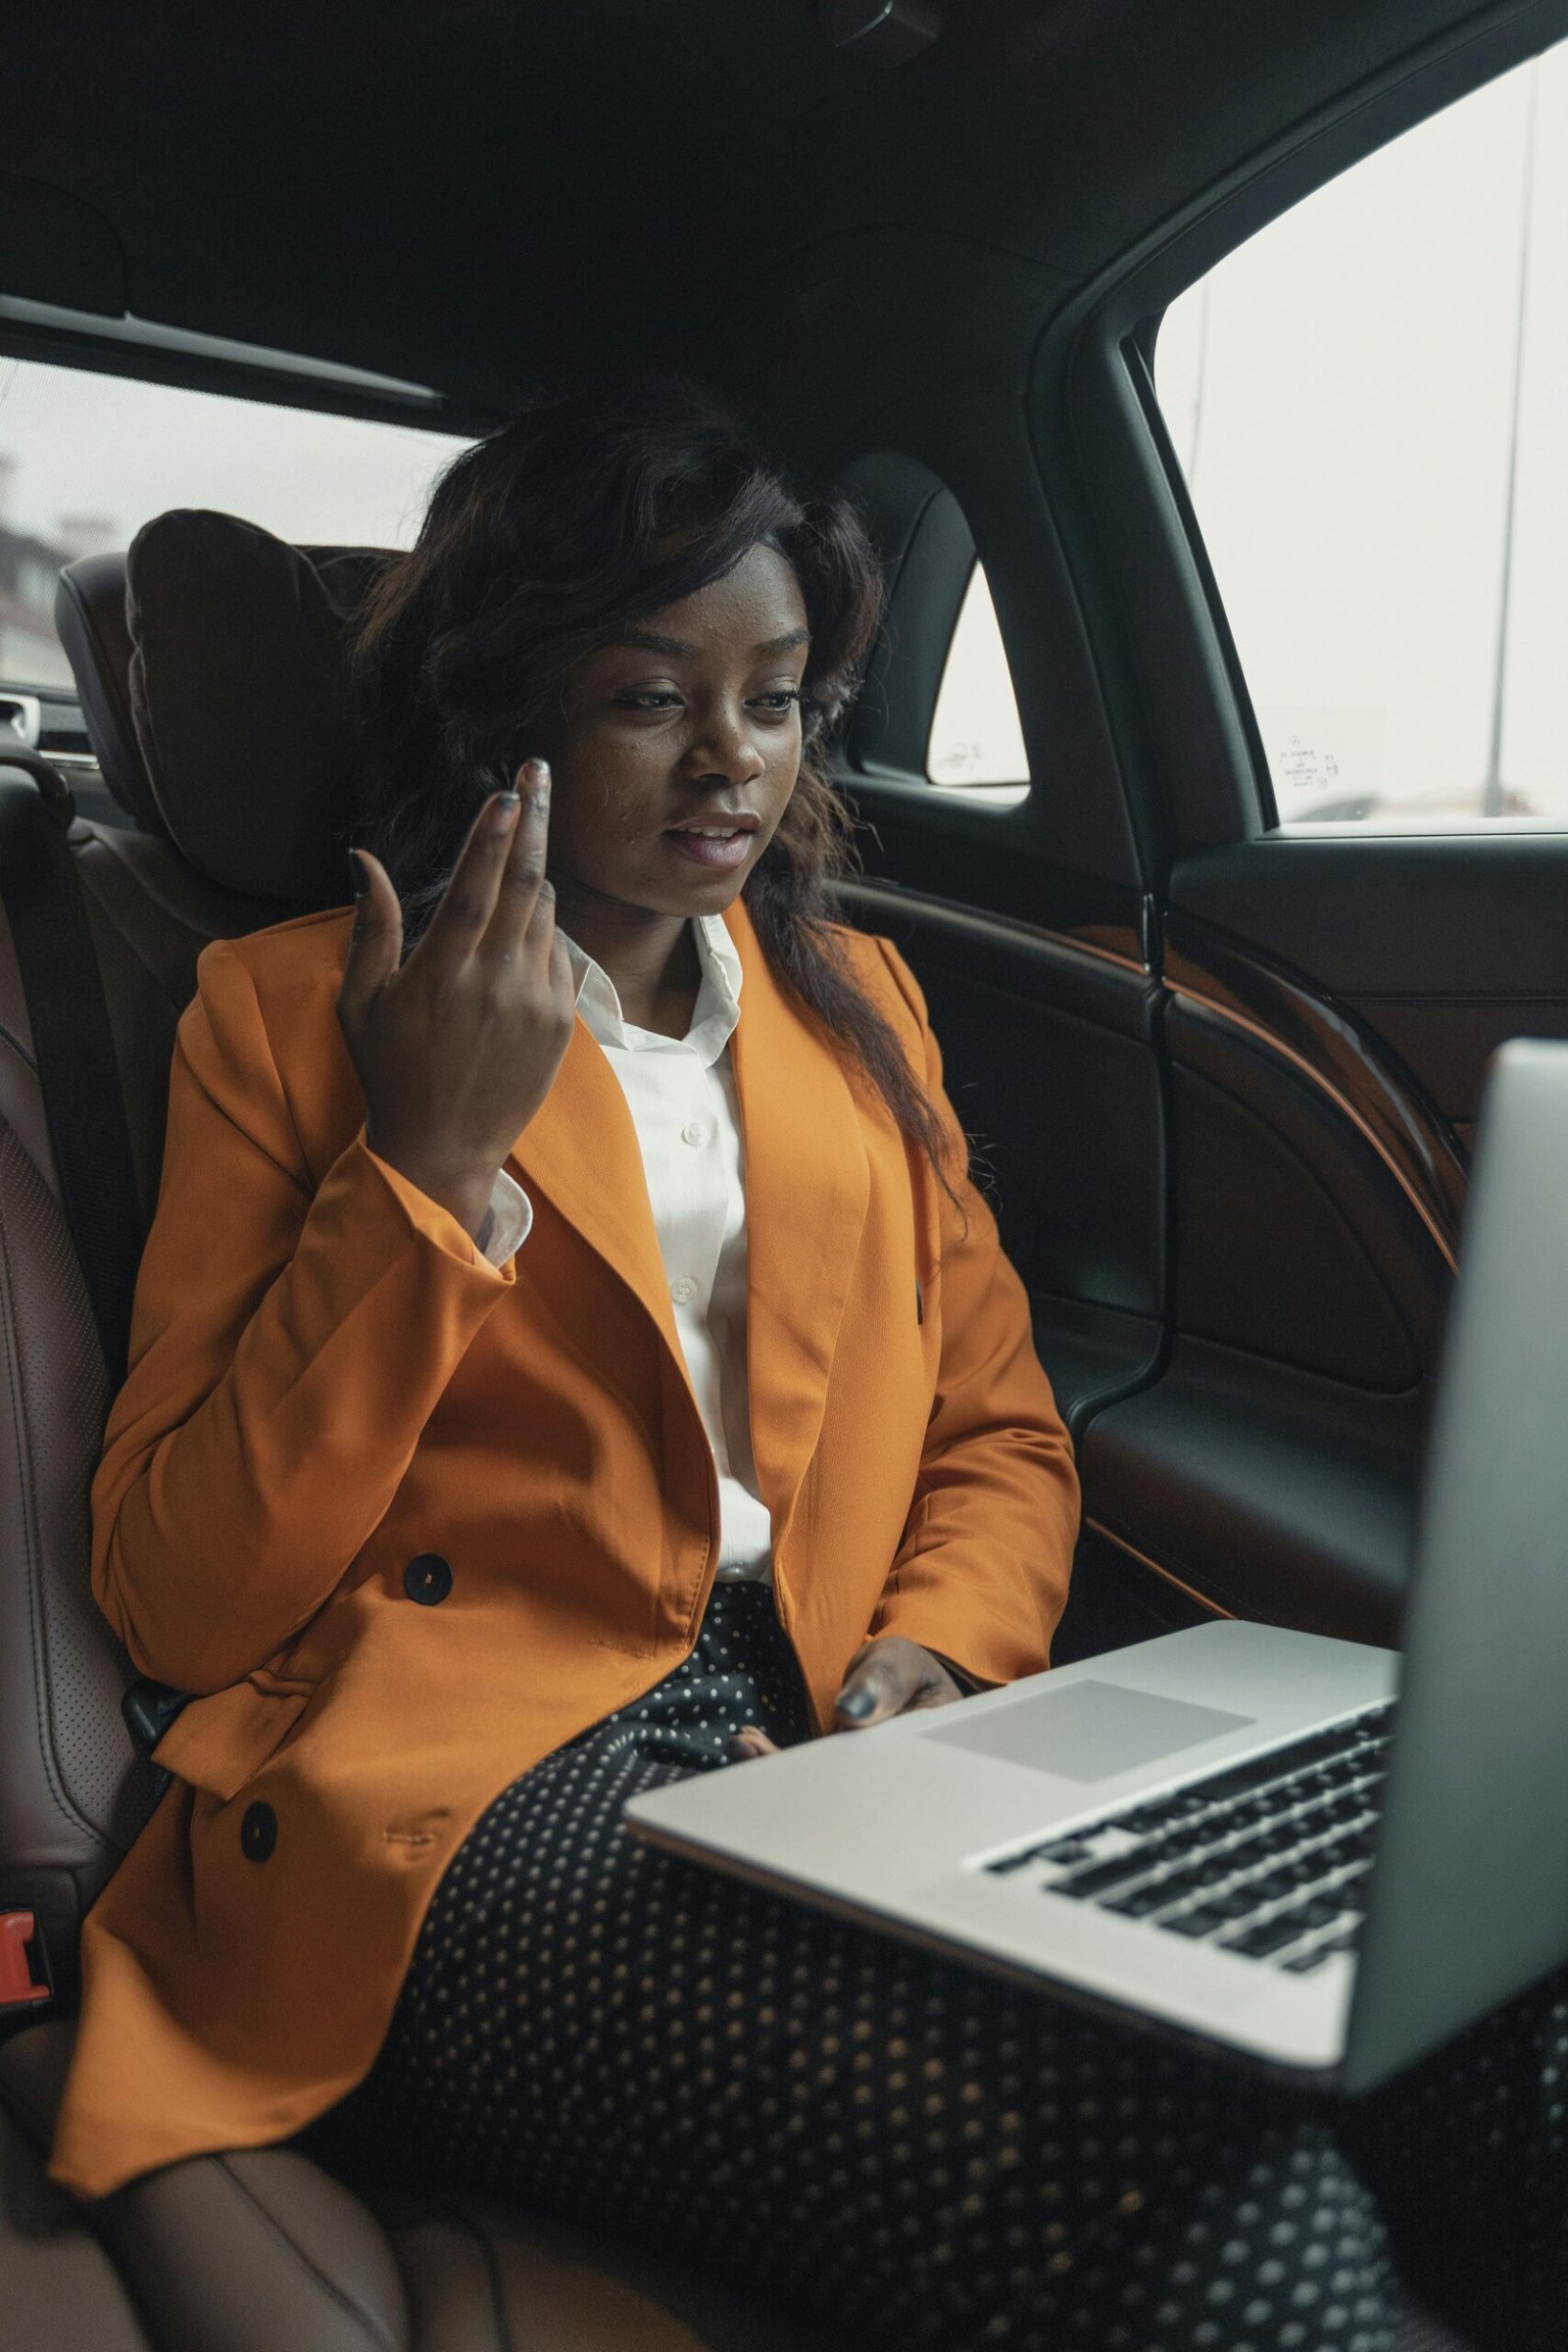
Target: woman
(569, 1354)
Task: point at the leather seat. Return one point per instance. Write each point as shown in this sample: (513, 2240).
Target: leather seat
(59, 2290)
(210, 672)
(263, 2251)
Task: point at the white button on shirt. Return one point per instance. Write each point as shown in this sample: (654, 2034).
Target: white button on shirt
(681, 1096)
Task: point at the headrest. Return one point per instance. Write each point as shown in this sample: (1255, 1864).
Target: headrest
(210, 665)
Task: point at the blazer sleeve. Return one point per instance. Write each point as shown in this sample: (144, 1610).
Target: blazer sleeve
(288, 1343)
(981, 1573)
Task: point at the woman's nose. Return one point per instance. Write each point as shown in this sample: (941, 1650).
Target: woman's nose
(723, 747)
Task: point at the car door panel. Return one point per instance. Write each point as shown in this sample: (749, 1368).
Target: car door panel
(1199, 1161)
(1441, 947)
(1267, 1492)
(1227, 1143)
(1270, 1252)
(1249, 1379)
(1050, 1063)
(1274, 1464)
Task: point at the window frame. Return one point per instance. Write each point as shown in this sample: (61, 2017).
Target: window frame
(288, 383)
(931, 560)
(1134, 536)
(929, 552)
(1062, 856)
(1004, 792)
(181, 366)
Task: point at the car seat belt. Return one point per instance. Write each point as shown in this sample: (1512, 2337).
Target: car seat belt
(72, 1044)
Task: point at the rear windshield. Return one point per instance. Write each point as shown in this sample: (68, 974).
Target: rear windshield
(86, 459)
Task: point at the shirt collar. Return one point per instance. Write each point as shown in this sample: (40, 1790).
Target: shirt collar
(714, 1017)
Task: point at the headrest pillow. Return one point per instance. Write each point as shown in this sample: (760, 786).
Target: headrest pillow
(237, 697)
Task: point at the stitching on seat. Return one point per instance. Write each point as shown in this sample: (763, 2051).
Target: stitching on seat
(117, 700)
(112, 914)
(38, 1635)
(17, 1047)
(328, 2287)
(498, 2299)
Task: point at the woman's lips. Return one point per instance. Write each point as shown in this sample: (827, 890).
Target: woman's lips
(713, 849)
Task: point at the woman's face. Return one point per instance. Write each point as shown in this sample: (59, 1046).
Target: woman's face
(680, 745)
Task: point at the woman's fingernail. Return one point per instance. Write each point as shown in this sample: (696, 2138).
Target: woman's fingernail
(739, 1749)
(359, 873)
(857, 1704)
(504, 810)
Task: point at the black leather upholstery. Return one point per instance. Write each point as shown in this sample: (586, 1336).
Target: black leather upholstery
(90, 617)
(213, 681)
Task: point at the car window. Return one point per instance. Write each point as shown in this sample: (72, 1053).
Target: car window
(976, 742)
(85, 460)
(1370, 401)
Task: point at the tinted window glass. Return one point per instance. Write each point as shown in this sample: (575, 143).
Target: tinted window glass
(85, 460)
(1370, 399)
(975, 736)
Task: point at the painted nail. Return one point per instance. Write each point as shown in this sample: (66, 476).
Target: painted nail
(857, 1705)
(504, 810)
(359, 873)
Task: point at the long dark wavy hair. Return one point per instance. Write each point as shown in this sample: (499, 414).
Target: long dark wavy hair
(581, 516)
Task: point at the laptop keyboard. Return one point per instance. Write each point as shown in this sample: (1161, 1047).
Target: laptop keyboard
(1269, 1859)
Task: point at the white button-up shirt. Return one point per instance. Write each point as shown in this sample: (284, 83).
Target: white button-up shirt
(681, 1096)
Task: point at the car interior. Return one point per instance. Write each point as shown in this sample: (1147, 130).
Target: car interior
(1221, 1068)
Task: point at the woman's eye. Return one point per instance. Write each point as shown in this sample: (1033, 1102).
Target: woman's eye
(776, 701)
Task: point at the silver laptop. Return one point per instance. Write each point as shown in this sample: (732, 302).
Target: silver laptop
(1235, 1831)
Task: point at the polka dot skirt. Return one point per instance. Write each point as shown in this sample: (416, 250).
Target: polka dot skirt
(910, 2152)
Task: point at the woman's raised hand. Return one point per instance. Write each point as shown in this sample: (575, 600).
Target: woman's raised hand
(457, 1048)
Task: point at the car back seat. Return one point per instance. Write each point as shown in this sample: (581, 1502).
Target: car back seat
(210, 672)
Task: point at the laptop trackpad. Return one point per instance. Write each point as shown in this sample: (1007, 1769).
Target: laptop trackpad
(1091, 1729)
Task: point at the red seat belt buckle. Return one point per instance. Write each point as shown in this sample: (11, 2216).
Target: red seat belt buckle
(18, 1989)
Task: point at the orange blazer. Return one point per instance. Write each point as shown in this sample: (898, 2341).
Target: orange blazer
(328, 1383)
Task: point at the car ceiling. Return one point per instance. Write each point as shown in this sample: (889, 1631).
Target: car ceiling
(472, 196)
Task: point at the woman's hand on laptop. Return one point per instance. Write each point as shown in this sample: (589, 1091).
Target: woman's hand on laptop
(888, 1677)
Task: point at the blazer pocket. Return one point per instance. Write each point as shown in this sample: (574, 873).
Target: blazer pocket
(220, 1743)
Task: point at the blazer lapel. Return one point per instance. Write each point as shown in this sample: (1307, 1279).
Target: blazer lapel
(580, 1152)
(807, 1183)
